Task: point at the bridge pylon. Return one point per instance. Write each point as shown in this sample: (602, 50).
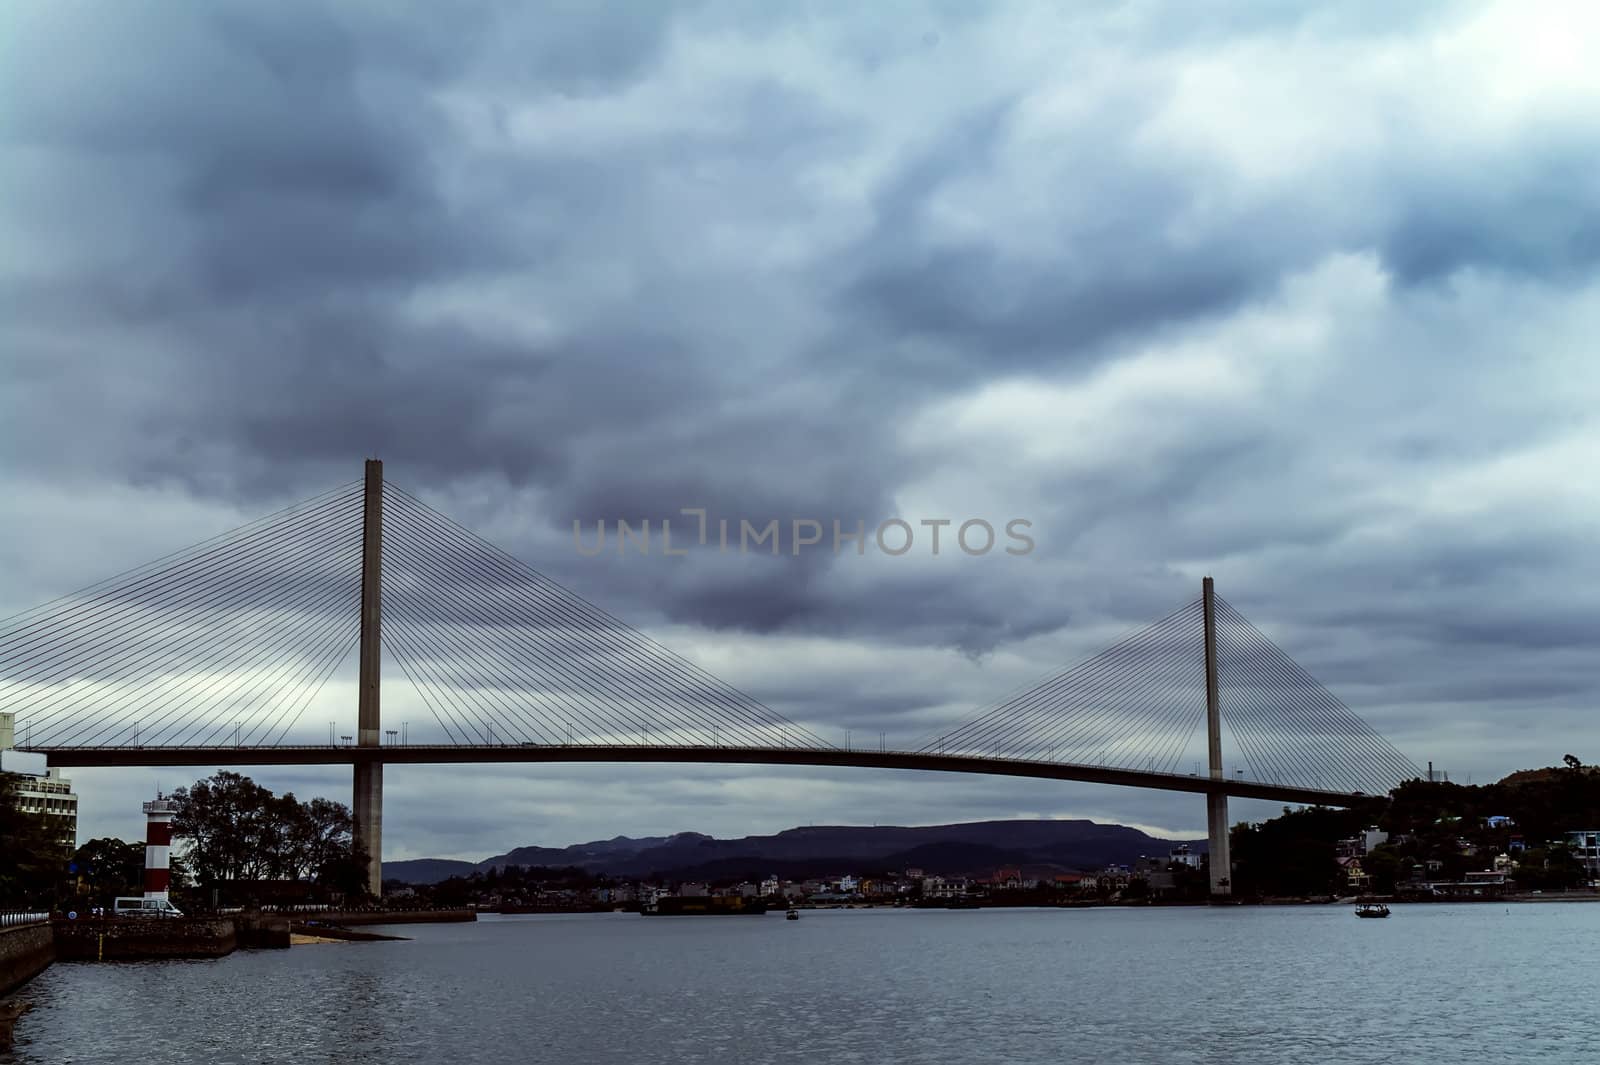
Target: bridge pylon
(367, 804)
(1220, 860)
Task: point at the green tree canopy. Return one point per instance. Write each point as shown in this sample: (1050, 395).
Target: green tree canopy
(31, 862)
(109, 867)
(237, 831)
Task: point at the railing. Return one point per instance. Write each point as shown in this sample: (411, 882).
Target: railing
(10, 918)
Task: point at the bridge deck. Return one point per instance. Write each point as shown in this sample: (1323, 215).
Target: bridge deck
(418, 754)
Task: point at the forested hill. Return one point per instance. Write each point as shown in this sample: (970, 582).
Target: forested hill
(975, 847)
(1436, 828)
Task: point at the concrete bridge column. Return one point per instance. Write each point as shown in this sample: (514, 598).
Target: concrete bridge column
(1217, 837)
(1220, 860)
(368, 812)
(367, 807)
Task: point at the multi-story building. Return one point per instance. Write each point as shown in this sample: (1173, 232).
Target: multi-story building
(49, 794)
(1585, 846)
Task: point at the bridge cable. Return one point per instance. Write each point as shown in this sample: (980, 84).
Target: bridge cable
(669, 665)
(546, 598)
(24, 661)
(1320, 705)
(1303, 702)
(1124, 668)
(544, 666)
(1004, 716)
(134, 657)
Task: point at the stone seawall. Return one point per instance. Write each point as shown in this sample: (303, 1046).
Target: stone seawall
(25, 951)
(125, 940)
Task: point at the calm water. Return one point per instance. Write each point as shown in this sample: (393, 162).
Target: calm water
(1431, 984)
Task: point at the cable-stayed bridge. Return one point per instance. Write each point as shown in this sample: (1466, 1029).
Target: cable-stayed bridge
(213, 655)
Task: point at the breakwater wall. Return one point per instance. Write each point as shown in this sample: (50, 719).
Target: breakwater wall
(262, 931)
(112, 939)
(25, 951)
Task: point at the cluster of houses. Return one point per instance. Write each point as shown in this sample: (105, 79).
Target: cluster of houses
(909, 887)
(1425, 876)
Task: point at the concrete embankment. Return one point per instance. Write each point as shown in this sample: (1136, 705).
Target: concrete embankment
(122, 939)
(25, 951)
(350, 918)
(321, 931)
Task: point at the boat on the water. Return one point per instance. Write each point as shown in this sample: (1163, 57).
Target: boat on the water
(792, 915)
(1372, 909)
(704, 906)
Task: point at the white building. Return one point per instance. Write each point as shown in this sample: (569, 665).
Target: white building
(1182, 856)
(48, 793)
(769, 887)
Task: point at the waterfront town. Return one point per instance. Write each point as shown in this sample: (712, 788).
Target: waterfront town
(1567, 865)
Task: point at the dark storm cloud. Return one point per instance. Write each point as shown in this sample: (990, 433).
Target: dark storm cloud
(1297, 298)
(1538, 220)
(1114, 273)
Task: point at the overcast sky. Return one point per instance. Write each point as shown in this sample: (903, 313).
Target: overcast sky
(1303, 301)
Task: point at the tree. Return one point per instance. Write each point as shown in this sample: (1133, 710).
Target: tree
(109, 867)
(1382, 864)
(321, 834)
(1572, 762)
(239, 832)
(222, 818)
(30, 859)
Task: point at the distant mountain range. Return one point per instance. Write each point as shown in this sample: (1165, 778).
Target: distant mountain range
(978, 847)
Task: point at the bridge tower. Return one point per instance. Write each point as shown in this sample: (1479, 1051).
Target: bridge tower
(368, 800)
(1217, 799)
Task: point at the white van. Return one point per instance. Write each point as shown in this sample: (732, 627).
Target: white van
(137, 906)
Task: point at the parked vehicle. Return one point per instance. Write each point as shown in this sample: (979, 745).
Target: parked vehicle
(138, 906)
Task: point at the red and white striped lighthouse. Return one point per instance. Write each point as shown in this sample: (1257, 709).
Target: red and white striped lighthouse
(158, 847)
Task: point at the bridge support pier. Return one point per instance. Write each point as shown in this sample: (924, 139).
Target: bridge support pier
(1220, 860)
(368, 814)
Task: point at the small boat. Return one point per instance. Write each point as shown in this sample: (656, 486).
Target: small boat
(792, 915)
(1372, 909)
